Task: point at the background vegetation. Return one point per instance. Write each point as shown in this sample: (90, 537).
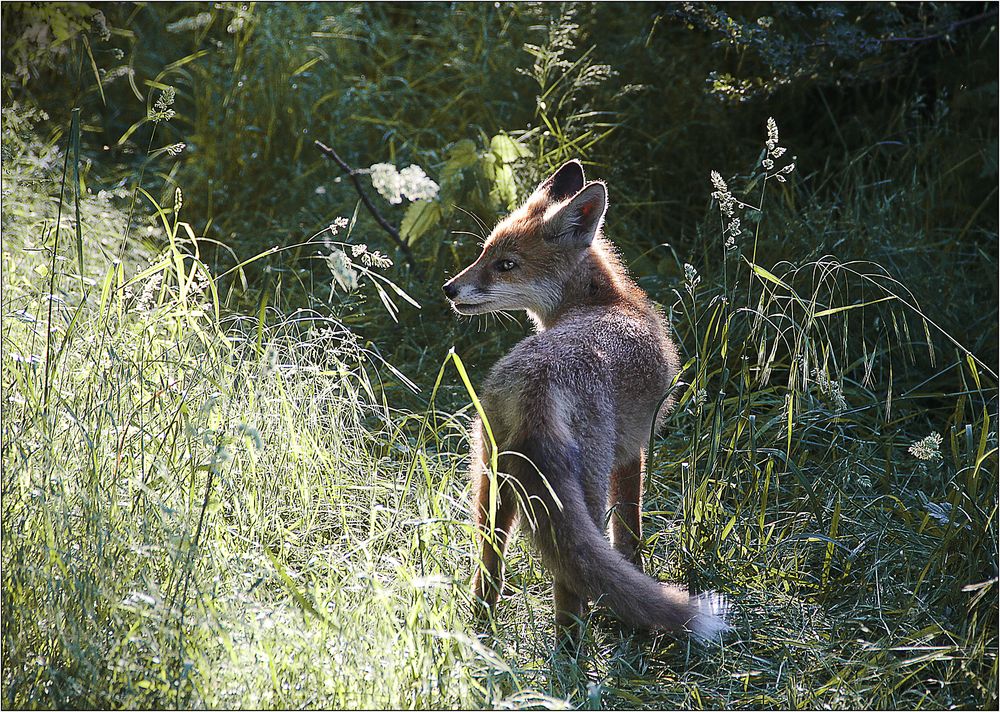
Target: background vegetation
(233, 436)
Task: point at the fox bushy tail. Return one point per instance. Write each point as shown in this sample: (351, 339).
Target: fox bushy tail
(581, 557)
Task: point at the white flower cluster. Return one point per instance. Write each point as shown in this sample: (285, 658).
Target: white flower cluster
(928, 448)
(411, 183)
(371, 258)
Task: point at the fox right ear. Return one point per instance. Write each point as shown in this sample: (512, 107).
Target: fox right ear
(578, 222)
(564, 183)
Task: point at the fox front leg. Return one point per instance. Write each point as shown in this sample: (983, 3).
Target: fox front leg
(487, 583)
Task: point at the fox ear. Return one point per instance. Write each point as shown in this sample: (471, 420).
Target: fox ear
(577, 222)
(564, 183)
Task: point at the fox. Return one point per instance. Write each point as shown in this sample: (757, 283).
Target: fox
(570, 410)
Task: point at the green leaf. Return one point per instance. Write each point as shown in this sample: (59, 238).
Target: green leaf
(504, 187)
(761, 272)
(420, 217)
(460, 156)
(507, 149)
(837, 310)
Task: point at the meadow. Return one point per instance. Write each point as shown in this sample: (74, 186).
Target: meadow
(235, 409)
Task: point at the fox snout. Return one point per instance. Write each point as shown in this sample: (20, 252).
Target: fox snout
(466, 296)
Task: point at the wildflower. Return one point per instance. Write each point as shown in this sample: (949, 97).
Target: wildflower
(100, 25)
(320, 190)
(162, 110)
(722, 193)
(243, 17)
(30, 359)
(342, 270)
(116, 73)
(166, 100)
(149, 291)
(691, 277)
(718, 183)
(270, 362)
(830, 388)
(176, 149)
(780, 175)
(772, 134)
(359, 249)
(199, 285)
(928, 448)
(376, 259)
(178, 200)
(337, 225)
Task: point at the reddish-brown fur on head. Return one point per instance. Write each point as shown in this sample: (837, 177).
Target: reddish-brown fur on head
(540, 256)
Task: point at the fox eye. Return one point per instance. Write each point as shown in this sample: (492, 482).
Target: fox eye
(505, 265)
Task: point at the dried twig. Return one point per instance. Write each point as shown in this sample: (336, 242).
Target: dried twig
(383, 223)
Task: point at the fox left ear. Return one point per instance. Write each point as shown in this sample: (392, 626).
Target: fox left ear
(576, 224)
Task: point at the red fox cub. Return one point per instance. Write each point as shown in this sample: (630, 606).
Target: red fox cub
(570, 409)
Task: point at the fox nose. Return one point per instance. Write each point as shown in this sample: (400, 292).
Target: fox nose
(450, 290)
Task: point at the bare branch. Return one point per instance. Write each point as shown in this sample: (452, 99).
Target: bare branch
(383, 223)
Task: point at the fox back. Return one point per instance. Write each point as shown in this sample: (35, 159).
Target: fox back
(571, 409)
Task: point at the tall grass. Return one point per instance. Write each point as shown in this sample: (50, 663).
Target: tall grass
(211, 512)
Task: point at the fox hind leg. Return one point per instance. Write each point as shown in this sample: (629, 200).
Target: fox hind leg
(488, 580)
(626, 509)
(570, 610)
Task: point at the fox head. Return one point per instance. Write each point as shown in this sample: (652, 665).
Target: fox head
(531, 253)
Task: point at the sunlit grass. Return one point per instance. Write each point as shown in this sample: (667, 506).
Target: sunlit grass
(206, 509)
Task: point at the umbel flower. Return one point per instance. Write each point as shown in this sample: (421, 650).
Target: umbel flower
(410, 183)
